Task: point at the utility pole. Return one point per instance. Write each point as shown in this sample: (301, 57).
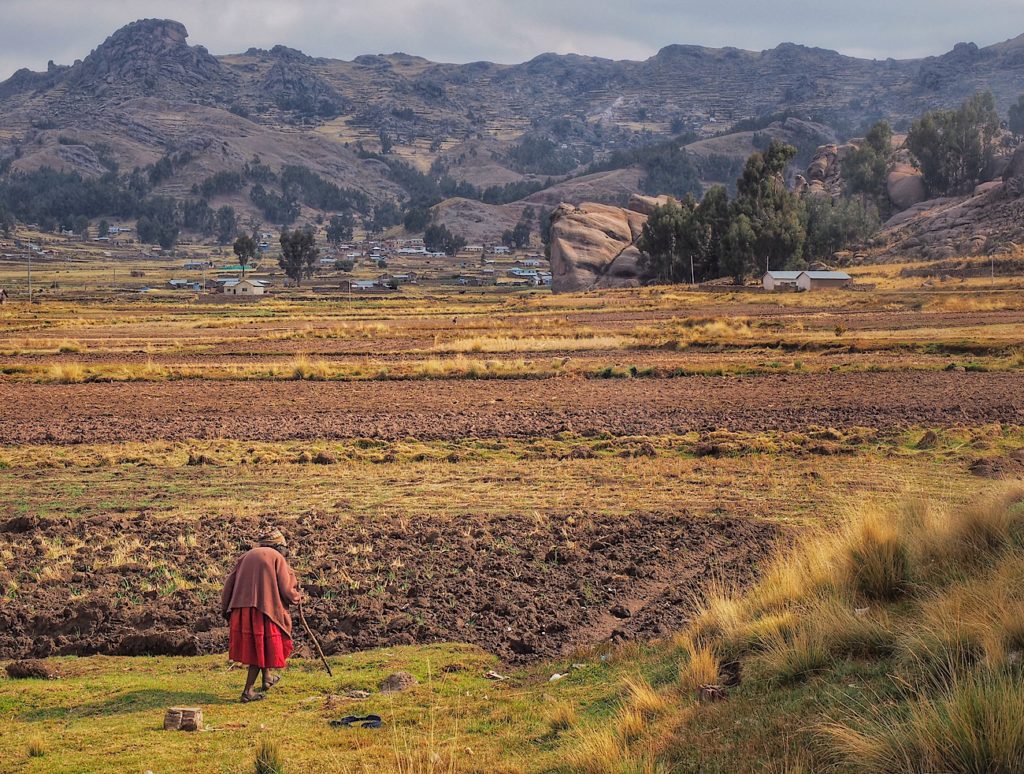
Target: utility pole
(30, 276)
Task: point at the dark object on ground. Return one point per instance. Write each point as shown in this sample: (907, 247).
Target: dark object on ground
(711, 693)
(183, 719)
(398, 682)
(369, 721)
(997, 467)
(31, 668)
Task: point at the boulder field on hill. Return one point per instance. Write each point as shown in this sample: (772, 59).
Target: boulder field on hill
(987, 221)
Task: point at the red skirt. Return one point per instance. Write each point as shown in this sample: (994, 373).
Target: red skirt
(256, 640)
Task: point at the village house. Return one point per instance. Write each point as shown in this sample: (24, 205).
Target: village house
(818, 280)
(523, 273)
(245, 287)
(780, 280)
(185, 284)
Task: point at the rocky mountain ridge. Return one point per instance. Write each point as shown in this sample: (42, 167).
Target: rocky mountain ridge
(578, 100)
(145, 93)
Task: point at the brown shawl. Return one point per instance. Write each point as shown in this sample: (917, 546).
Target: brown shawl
(262, 579)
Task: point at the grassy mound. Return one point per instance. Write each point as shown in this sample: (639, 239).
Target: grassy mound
(893, 643)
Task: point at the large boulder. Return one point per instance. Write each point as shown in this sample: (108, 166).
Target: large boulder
(594, 245)
(646, 205)
(1013, 175)
(824, 174)
(905, 186)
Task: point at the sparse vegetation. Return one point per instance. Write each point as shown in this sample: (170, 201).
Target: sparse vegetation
(759, 679)
(268, 759)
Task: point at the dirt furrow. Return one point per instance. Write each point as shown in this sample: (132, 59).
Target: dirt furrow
(447, 409)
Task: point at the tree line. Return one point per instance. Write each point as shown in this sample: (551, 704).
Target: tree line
(766, 226)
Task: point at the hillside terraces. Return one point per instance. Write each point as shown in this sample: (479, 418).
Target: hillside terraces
(288, 97)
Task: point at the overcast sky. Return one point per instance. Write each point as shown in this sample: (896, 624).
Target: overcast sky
(34, 31)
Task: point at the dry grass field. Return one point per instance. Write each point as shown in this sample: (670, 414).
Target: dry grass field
(597, 486)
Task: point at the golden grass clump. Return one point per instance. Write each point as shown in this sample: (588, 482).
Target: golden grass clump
(795, 658)
(975, 530)
(844, 630)
(721, 618)
(304, 369)
(597, 752)
(268, 759)
(69, 346)
(36, 748)
(974, 725)
(504, 344)
(65, 373)
(643, 698)
(561, 717)
(700, 667)
(875, 555)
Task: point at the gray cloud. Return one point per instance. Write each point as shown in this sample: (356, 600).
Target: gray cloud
(34, 31)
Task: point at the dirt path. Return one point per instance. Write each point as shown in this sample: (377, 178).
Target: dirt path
(87, 413)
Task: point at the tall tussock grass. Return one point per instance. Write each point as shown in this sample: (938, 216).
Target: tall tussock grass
(924, 598)
(976, 724)
(268, 759)
(65, 373)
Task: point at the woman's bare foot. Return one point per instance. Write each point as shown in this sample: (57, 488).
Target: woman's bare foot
(270, 682)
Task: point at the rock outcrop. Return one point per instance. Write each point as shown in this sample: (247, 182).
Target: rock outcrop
(824, 176)
(151, 55)
(594, 245)
(987, 221)
(1013, 175)
(294, 87)
(905, 186)
(824, 173)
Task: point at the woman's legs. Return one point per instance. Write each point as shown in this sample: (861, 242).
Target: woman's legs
(269, 679)
(250, 681)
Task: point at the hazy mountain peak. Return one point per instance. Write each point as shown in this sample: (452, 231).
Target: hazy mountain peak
(151, 53)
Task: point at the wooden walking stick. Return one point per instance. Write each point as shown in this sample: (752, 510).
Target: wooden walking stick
(316, 644)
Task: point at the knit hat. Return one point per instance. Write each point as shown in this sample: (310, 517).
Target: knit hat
(273, 539)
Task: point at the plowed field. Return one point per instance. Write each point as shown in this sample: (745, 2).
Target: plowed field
(90, 413)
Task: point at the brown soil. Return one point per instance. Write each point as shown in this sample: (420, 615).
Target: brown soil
(31, 668)
(88, 413)
(519, 587)
(999, 467)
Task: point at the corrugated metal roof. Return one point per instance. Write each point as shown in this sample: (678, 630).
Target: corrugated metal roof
(791, 275)
(837, 275)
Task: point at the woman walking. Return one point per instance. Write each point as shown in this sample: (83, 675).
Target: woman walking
(255, 600)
